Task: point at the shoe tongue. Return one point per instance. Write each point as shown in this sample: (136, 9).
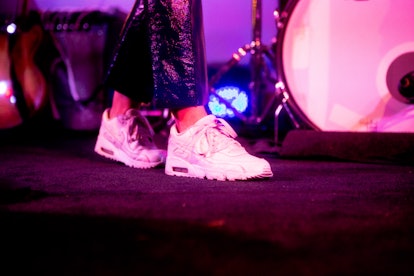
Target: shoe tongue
(223, 141)
(225, 127)
(212, 120)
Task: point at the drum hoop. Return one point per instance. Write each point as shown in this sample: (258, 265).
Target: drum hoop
(287, 13)
(399, 114)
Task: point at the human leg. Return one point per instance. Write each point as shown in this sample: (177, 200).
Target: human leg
(121, 104)
(200, 145)
(125, 135)
(186, 117)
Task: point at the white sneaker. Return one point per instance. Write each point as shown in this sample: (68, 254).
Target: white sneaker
(128, 139)
(208, 150)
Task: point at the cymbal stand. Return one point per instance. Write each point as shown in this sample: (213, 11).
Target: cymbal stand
(260, 69)
(261, 74)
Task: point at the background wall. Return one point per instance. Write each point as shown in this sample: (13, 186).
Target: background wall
(228, 24)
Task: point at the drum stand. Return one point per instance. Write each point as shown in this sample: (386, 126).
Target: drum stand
(261, 75)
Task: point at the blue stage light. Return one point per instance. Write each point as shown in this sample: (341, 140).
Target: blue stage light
(237, 98)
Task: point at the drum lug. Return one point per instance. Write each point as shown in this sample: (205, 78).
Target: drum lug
(280, 18)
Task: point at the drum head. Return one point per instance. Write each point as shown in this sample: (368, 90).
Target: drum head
(342, 63)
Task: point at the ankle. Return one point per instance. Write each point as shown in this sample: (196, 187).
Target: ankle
(115, 112)
(121, 104)
(187, 117)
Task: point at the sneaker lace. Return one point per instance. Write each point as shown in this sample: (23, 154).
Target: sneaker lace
(219, 136)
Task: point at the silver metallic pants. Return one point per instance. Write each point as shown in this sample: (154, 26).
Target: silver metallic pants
(160, 56)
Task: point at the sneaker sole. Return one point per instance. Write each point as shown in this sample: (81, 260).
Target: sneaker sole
(179, 167)
(107, 150)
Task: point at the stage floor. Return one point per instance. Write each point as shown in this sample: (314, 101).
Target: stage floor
(64, 211)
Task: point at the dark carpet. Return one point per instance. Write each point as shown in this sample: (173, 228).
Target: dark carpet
(66, 211)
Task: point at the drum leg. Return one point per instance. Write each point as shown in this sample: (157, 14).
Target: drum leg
(283, 105)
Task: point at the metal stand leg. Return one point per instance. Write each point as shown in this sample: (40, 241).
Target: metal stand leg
(261, 75)
(280, 87)
(261, 71)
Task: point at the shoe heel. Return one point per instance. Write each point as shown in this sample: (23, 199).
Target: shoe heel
(104, 149)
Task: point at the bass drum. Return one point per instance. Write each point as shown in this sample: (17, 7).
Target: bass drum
(343, 63)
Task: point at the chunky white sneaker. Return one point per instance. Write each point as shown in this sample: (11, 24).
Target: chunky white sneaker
(128, 139)
(209, 150)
